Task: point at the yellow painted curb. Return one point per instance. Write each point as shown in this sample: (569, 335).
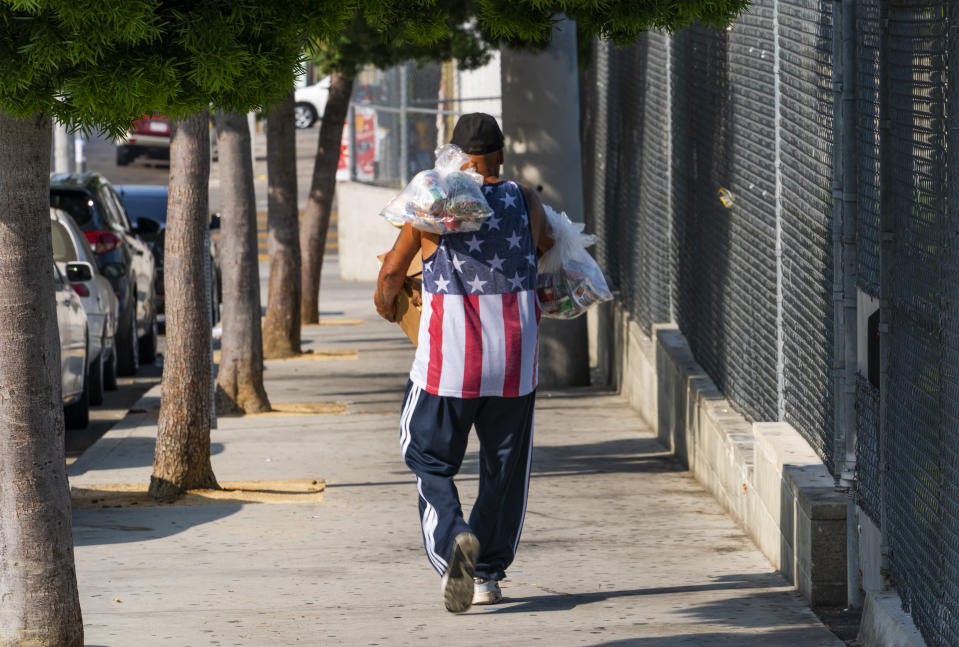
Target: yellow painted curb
(320, 355)
(125, 495)
(299, 409)
(336, 322)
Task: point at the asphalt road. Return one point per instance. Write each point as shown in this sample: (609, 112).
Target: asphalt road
(101, 157)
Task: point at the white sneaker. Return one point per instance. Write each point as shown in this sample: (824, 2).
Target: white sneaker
(458, 579)
(486, 591)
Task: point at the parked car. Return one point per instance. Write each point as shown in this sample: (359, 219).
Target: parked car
(309, 103)
(124, 259)
(72, 326)
(150, 201)
(149, 135)
(76, 261)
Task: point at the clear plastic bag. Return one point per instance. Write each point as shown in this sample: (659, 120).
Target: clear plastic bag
(569, 279)
(442, 200)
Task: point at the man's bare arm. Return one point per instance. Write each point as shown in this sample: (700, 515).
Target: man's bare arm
(393, 272)
(537, 220)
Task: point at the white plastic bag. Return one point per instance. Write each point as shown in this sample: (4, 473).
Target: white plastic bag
(569, 279)
(442, 200)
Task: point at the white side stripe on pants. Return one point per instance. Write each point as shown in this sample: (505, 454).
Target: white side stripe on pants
(430, 521)
(408, 409)
(529, 462)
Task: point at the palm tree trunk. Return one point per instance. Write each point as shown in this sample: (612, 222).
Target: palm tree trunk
(316, 216)
(182, 458)
(281, 326)
(39, 604)
(240, 377)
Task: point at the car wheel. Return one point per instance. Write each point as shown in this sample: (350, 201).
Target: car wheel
(123, 156)
(77, 415)
(148, 344)
(128, 347)
(95, 380)
(304, 115)
(110, 371)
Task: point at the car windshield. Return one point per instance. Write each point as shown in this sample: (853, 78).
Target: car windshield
(63, 250)
(147, 205)
(79, 205)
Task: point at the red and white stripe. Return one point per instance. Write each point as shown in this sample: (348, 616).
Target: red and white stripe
(477, 345)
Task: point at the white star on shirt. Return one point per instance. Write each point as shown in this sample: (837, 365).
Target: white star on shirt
(476, 285)
(441, 284)
(458, 263)
(525, 220)
(531, 258)
(493, 222)
(513, 240)
(428, 266)
(496, 263)
(508, 200)
(474, 244)
(517, 281)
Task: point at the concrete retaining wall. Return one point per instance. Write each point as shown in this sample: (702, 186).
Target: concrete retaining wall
(363, 234)
(765, 474)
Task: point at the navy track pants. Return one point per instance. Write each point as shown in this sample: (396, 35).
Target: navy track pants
(433, 434)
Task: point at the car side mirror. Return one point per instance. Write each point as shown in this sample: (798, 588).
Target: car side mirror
(215, 220)
(147, 229)
(79, 271)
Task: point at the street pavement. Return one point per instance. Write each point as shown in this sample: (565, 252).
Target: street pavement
(620, 547)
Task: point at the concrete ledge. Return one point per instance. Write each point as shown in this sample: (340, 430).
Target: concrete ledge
(885, 624)
(361, 233)
(765, 474)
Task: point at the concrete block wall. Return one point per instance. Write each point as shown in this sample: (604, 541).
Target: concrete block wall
(362, 233)
(765, 474)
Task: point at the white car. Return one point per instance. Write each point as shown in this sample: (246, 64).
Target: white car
(72, 325)
(310, 102)
(75, 260)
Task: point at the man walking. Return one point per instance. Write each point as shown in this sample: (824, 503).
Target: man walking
(475, 365)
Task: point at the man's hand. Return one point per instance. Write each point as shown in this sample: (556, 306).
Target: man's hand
(393, 273)
(386, 309)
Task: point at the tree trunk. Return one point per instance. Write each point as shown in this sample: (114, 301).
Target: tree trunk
(39, 604)
(316, 217)
(281, 326)
(240, 377)
(182, 458)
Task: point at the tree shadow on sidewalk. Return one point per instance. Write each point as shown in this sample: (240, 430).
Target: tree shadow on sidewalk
(623, 455)
(798, 636)
(124, 525)
(750, 605)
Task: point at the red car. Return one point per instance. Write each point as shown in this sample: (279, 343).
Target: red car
(148, 136)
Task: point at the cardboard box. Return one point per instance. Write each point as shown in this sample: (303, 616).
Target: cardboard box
(409, 303)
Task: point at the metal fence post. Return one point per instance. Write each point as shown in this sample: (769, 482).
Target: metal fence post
(404, 125)
(780, 336)
(887, 256)
(847, 264)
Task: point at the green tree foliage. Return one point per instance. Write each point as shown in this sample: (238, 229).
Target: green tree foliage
(99, 64)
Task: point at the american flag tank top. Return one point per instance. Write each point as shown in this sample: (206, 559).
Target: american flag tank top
(479, 326)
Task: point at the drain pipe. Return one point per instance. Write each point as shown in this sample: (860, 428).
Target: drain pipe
(844, 278)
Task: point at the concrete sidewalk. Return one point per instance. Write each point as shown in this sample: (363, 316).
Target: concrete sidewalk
(620, 547)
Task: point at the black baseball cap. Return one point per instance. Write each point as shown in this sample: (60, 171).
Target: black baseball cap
(477, 134)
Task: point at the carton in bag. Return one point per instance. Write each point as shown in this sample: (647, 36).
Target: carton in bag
(409, 303)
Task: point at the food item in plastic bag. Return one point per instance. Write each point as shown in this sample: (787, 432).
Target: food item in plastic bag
(442, 200)
(569, 279)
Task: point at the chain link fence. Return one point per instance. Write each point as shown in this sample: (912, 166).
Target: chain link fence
(713, 181)
(399, 116)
